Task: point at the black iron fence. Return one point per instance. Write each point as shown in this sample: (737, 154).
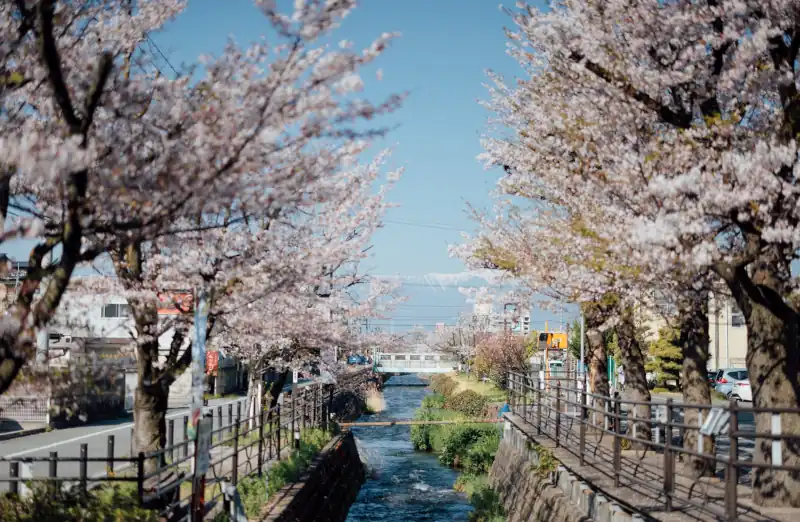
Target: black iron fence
(637, 443)
(245, 440)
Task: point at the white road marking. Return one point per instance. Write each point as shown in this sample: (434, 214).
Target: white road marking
(98, 433)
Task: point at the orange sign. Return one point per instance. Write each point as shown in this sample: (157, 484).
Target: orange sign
(174, 303)
(212, 362)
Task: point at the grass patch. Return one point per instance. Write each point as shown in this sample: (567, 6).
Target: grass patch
(488, 389)
(658, 389)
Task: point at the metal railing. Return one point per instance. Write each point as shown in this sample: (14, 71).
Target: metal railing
(603, 432)
(242, 445)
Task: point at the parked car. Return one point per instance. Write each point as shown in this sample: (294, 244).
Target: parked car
(356, 360)
(711, 375)
(741, 391)
(726, 377)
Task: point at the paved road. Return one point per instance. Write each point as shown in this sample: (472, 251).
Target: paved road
(67, 443)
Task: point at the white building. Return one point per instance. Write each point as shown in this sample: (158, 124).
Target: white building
(485, 315)
(103, 324)
(727, 332)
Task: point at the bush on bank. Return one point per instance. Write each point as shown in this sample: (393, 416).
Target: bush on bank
(469, 447)
(443, 384)
(103, 504)
(468, 402)
(486, 502)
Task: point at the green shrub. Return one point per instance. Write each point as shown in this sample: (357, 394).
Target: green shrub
(488, 505)
(480, 455)
(106, 503)
(422, 434)
(457, 440)
(434, 401)
(443, 384)
(468, 402)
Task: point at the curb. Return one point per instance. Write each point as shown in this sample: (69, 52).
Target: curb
(21, 433)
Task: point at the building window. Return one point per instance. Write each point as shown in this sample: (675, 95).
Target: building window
(737, 317)
(116, 310)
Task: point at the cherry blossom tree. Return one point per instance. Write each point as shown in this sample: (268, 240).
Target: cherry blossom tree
(102, 152)
(680, 118)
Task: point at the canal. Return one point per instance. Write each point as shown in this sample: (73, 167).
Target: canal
(403, 485)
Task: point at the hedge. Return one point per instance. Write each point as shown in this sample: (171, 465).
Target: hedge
(443, 385)
(468, 402)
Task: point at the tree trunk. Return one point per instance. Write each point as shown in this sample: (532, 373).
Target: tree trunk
(694, 343)
(635, 377)
(596, 360)
(149, 422)
(773, 364)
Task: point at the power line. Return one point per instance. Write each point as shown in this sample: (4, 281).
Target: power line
(153, 43)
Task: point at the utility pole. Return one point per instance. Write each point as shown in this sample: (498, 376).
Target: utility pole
(583, 357)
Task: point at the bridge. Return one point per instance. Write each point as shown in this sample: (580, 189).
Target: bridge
(414, 363)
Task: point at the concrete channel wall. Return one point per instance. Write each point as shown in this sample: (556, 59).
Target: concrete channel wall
(325, 491)
(534, 487)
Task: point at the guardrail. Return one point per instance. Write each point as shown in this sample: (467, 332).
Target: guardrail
(244, 445)
(594, 428)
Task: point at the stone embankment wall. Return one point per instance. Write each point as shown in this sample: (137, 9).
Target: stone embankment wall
(534, 487)
(325, 491)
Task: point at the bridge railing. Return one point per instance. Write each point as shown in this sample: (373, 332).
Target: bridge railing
(639, 444)
(413, 361)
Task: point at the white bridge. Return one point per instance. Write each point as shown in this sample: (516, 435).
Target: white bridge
(414, 363)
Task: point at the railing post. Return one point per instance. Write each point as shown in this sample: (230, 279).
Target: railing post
(669, 462)
(524, 390)
(221, 422)
(260, 439)
(230, 418)
(330, 407)
(617, 440)
(235, 470)
(83, 468)
(13, 471)
(558, 414)
(304, 410)
(171, 439)
(140, 476)
(53, 464)
(185, 436)
(584, 420)
(278, 440)
(110, 456)
(293, 417)
(539, 408)
(731, 469)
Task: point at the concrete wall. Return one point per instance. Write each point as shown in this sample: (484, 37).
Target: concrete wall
(531, 494)
(326, 490)
(527, 495)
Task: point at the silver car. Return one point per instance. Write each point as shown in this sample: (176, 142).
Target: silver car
(726, 377)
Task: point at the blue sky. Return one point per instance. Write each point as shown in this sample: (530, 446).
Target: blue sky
(441, 58)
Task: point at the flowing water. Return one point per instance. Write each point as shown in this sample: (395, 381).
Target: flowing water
(403, 485)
